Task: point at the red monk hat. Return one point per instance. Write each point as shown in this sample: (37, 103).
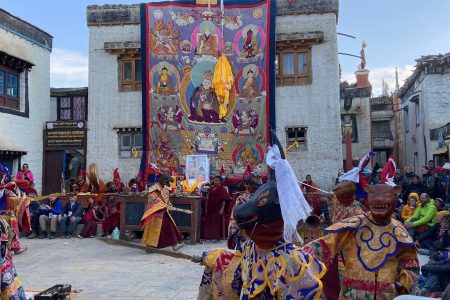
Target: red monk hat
(116, 174)
(82, 173)
(221, 171)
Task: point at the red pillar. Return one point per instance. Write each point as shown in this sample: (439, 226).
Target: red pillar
(348, 149)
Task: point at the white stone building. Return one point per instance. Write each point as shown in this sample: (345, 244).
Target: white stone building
(24, 92)
(309, 107)
(425, 102)
(383, 128)
(307, 94)
(355, 110)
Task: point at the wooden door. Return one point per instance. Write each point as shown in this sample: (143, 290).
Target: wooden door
(53, 167)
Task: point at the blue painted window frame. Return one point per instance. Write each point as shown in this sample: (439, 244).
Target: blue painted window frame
(12, 89)
(2, 82)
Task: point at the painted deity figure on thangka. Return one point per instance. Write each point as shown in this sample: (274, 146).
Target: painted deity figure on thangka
(183, 44)
(207, 40)
(170, 117)
(165, 85)
(164, 39)
(164, 154)
(269, 266)
(204, 104)
(378, 254)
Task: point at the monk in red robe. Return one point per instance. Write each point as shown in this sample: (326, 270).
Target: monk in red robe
(112, 216)
(213, 226)
(160, 230)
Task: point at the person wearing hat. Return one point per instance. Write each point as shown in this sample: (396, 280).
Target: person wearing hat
(116, 179)
(345, 205)
(160, 230)
(410, 207)
(423, 218)
(49, 212)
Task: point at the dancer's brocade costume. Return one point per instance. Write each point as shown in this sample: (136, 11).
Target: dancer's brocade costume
(378, 254)
(269, 266)
(11, 286)
(345, 206)
(283, 272)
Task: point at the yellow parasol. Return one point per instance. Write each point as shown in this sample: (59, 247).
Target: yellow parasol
(222, 82)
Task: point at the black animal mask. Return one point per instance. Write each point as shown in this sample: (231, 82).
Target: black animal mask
(264, 206)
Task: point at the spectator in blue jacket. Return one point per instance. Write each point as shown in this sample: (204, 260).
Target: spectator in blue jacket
(72, 215)
(49, 212)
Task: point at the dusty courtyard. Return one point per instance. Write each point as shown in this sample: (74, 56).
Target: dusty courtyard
(103, 271)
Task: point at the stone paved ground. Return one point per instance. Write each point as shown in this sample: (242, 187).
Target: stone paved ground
(105, 271)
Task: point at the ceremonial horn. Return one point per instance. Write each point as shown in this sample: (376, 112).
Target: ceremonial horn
(312, 222)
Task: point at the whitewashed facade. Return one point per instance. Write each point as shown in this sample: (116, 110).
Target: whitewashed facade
(314, 105)
(25, 51)
(425, 102)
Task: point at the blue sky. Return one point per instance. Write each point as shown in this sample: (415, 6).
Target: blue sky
(396, 31)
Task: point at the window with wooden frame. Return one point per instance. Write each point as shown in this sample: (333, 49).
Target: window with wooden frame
(382, 130)
(296, 137)
(130, 71)
(9, 88)
(72, 108)
(293, 63)
(130, 143)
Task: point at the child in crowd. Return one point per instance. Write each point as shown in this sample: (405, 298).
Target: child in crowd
(90, 219)
(410, 207)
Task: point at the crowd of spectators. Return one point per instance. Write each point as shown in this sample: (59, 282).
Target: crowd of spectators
(423, 207)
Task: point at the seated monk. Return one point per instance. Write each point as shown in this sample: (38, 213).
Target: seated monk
(112, 216)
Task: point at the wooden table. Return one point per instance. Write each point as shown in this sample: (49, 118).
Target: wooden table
(133, 206)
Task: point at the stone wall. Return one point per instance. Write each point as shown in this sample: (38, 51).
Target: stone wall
(315, 105)
(109, 108)
(361, 108)
(434, 99)
(25, 132)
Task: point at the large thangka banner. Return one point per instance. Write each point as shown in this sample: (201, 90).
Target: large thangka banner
(181, 42)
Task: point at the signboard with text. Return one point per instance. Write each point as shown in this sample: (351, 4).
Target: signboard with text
(65, 135)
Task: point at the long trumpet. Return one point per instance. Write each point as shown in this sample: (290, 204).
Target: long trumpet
(312, 222)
